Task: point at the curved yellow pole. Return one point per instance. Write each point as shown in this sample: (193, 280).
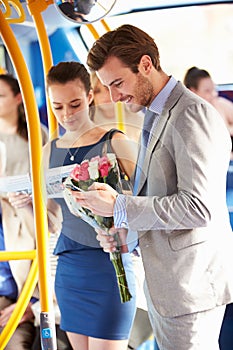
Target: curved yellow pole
(21, 305)
(7, 8)
(18, 8)
(35, 8)
(105, 25)
(36, 171)
(35, 143)
(93, 31)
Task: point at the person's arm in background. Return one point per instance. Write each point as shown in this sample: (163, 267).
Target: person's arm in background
(5, 314)
(125, 151)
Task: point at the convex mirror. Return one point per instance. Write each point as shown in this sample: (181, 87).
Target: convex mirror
(84, 11)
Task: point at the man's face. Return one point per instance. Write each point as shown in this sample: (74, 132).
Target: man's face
(134, 89)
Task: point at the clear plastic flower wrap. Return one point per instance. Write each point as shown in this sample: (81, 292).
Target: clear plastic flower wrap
(105, 170)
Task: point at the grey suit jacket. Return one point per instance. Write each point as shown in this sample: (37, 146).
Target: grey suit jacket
(180, 212)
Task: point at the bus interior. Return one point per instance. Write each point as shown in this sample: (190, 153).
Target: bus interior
(35, 34)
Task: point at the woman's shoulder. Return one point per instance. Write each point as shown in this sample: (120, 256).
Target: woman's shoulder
(114, 133)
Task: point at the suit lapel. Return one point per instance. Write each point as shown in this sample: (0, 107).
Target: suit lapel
(152, 144)
(163, 119)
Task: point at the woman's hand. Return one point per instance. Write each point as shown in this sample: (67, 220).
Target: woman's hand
(19, 199)
(114, 239)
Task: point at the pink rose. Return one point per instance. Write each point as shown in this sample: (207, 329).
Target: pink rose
(75, 173)
(83, 173)
(104, 166)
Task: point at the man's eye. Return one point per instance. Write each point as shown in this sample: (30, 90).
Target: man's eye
(118, 85)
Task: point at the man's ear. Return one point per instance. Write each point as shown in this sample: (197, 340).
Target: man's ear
(192, 89)
(145, 65)
(90, 96)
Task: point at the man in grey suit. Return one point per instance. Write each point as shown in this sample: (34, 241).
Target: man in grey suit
(179, 208)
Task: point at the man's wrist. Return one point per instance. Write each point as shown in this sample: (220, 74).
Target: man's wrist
(120, 215)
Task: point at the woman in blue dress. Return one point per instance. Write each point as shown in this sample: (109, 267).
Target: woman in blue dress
(86, 286)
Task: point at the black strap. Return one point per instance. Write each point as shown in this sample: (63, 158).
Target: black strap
(107, 147)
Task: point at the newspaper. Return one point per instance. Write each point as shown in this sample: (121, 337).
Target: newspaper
(54, 179)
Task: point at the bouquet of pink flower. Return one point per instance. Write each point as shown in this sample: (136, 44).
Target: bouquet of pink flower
(98, 169)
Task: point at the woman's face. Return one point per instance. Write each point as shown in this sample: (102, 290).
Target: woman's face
(8, 101)
(206, 89)
(70, 104)
(101, 94)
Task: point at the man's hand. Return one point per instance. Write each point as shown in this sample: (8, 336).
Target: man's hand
(5, 314)
(115, 238)
(100, 199)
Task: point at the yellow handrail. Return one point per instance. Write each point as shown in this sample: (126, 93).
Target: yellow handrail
(35, 144)
(22, 303)
(21, 255)
(19, 9)
(35, 8)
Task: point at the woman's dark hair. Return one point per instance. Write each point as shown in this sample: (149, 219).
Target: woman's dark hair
(127, 43)
(193, 77)
(64, 72)
(14, 85)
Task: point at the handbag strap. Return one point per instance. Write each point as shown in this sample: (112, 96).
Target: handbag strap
(107, 147)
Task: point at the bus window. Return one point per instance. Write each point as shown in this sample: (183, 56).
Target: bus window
(187, 36)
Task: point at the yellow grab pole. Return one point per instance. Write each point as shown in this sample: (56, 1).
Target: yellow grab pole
(35, 8)
(21, 255)
(35, 143)
(20, 307)
(18, 8)
(105, 25)
(119, 110)
(93, 31)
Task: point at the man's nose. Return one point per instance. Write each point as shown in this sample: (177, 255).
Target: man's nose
(115, 95)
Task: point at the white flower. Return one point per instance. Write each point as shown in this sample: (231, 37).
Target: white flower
(112, 159)
(93, 169)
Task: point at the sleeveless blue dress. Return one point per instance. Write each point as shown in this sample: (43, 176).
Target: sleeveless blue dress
(85, 285)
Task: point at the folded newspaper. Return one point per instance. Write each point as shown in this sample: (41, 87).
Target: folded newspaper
(54, 179)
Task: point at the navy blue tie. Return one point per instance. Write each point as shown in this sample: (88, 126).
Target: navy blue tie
(147, 126)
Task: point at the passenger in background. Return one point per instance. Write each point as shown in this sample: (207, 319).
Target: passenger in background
(200, 82)
(86, 286)
(22, 200)
(16, 225)
(105, 113)
(105, 116)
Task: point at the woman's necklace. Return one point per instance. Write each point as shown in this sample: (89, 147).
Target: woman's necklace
(72, 156)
